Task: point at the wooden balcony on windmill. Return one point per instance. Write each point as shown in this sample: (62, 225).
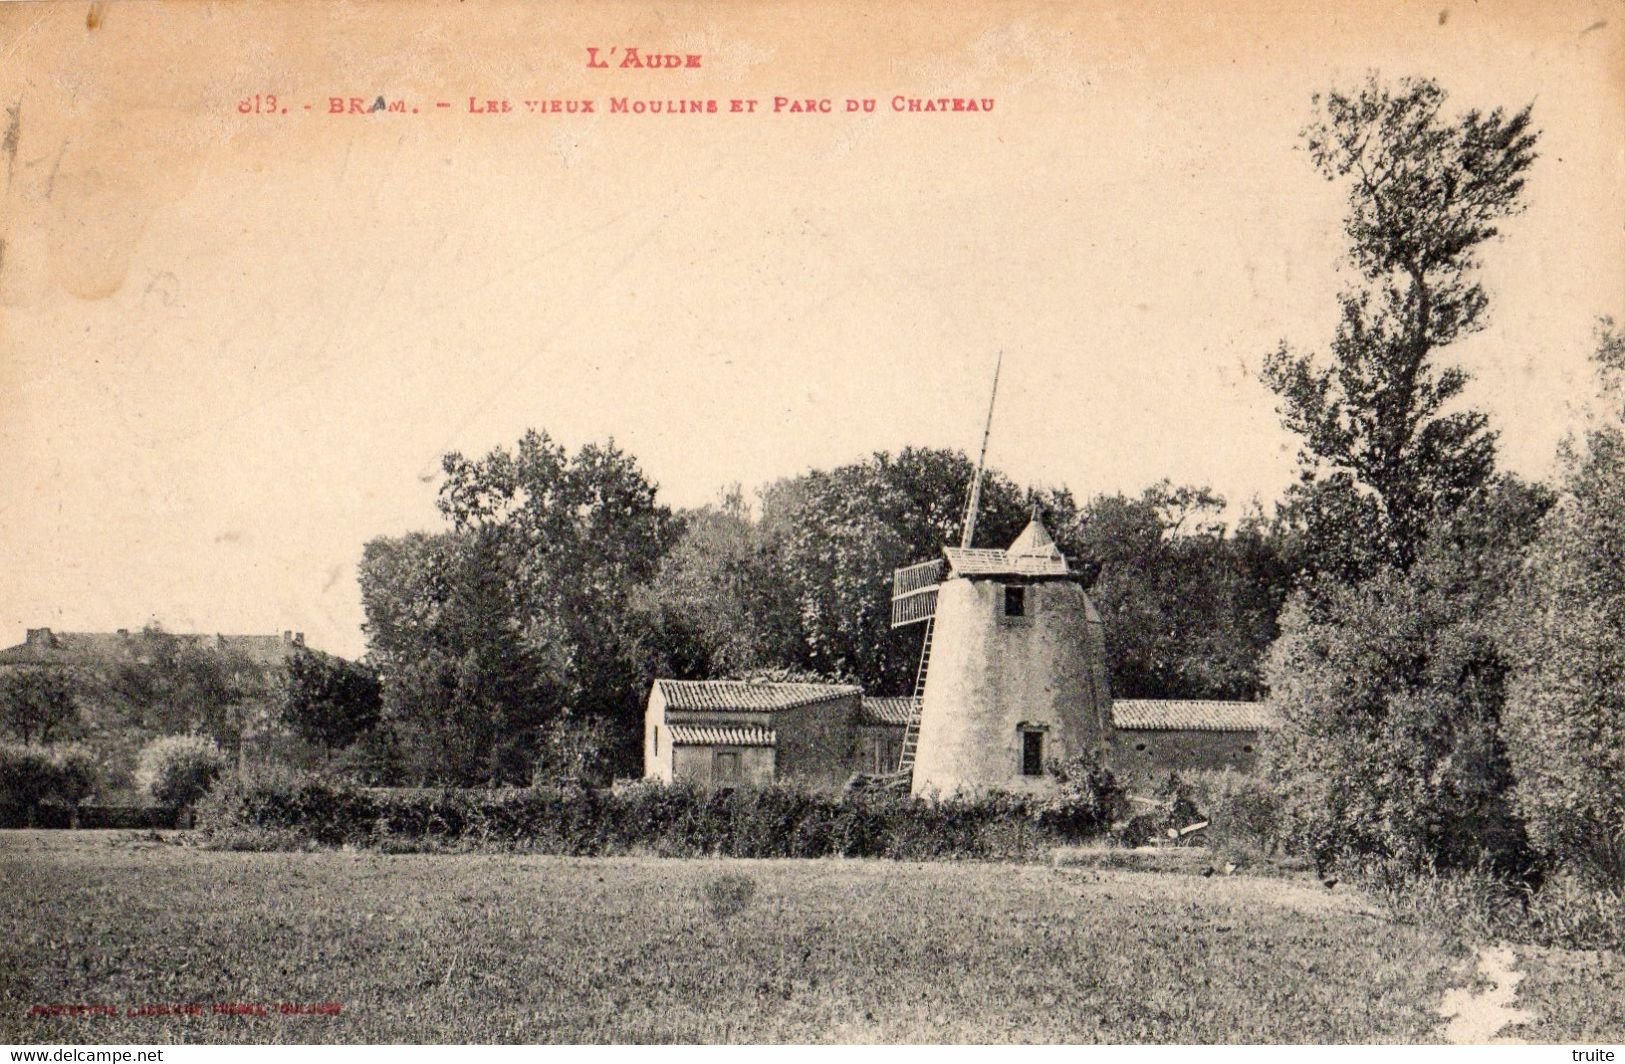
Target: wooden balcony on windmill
(914, 592)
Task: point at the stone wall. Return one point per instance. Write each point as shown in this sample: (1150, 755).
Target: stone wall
(698, 764)
(818, 744)
(1148, 754)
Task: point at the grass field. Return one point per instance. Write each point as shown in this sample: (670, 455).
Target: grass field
(1575, 996)
(512, 948)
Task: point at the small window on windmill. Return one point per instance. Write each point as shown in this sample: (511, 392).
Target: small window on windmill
(1032, 753)
(727, 766)
(1015, 600)
(657, 739)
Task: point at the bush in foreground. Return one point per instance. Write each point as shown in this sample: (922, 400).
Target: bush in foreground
(177, 770)
(1565, 715)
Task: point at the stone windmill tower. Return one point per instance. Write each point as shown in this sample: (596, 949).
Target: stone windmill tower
(1013, 669)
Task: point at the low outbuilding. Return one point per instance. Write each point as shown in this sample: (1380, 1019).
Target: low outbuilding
(1153, 737)
(730, 732)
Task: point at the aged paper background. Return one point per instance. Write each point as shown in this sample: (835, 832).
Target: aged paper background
(234, 342)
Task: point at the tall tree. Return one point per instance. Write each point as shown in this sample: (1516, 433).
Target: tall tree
(521, 612)
(1189, 607)
(584, 532)
(1384, 442)
(718, 606)
(1566, 632)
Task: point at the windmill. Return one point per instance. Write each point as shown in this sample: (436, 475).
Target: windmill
(914, 588)
(1012, 674)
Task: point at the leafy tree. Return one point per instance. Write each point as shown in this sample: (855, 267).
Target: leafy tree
(486, 633)
(443, 630)
(717, 606)
(583, 532)
(1189, 608)
(1565, 717)
(38, 704)
(1392, 693)
(328, 701)
(77, 773)
(1385, 443)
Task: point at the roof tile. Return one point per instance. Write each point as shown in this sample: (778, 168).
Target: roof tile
(1184, 714)
(890, 711)
(728, 735)
(748, 696)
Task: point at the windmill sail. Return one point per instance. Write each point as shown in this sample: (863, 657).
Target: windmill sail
(914, 587)
(914, 592)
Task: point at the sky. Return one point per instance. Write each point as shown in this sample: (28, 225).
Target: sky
(234, 343)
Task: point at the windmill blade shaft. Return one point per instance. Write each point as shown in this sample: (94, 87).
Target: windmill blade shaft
(981, 461)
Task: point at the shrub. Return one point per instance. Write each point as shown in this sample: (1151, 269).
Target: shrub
(280, 803)
(77, 773)
(1390, 746)
(575, 749)
(1088, 798)
(32, 777)
(1244, 812)
(177, 770)
(680, 820)
(27, 779)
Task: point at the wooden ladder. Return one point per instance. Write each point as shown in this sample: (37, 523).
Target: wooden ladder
(911, 737)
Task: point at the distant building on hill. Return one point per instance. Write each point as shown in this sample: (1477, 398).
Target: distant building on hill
(93, 652)
(42, 646)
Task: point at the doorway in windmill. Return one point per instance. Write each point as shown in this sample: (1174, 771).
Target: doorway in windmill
(726, 767)
(1015, 601)
(1032, 753)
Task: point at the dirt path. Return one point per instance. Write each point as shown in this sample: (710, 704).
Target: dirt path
(1477, 1016)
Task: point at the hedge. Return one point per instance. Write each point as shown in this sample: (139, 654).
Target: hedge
(676, 820)
(88, 817)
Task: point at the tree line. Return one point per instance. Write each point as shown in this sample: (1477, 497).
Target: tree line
(561, 587)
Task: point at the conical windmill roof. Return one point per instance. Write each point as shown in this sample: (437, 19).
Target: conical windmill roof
(1034, 553)
(1034, 542)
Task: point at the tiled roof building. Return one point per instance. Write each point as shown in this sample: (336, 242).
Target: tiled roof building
(724, 732)
(1152, 737)
(747, 696)
(887, 711)
(720, 732)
